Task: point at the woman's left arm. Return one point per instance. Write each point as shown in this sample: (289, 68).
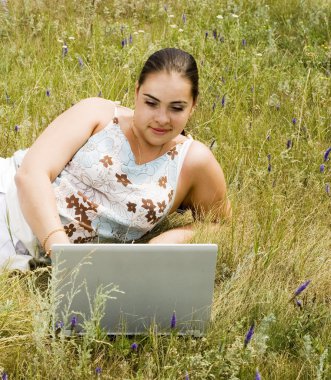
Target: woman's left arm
(205, 193)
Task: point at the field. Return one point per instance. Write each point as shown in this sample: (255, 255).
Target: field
(265, 111)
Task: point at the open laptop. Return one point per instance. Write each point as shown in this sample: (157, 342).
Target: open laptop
(163, 286)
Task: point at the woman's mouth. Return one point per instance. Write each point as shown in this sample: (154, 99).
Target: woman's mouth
(159, 131)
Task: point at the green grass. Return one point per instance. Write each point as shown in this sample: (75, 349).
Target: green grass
(280, 233)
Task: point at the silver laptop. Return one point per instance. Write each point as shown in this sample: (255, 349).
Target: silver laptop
(133, 288)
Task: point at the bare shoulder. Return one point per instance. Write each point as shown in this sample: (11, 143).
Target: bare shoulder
(198, 156)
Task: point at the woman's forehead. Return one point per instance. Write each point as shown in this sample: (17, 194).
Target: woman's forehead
(167, 86)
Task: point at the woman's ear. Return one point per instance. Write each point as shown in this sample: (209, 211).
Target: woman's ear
(136, 91)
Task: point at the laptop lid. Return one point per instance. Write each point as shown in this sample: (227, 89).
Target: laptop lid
(163, 285)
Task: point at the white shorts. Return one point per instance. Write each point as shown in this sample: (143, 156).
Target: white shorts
(13, 254)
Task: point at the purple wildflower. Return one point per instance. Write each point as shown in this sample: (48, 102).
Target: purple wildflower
(289, 144)
(17, 128)
(73, 322)
(130, 39)
(326, 154)
(98, 371)
(48, 93)
(4, 376)
(206, 35)
(269, 168)
(134, 346)
(80, 62)
(244, 42)
(249, 335)
(184, 18)
(294, 120)
(298, 303)
(257, 375)
(59, 325)
(223, 100)
(173, 320)
(123, 43)
(187, 377)
(322, 168)
(302, 287)
(64, 50)
(215, 34)
(327, 188)
(269, 157)
(214, 106)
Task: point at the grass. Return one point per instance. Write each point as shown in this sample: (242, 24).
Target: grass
(265, 100)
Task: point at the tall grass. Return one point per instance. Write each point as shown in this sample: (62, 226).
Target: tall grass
(264, 107)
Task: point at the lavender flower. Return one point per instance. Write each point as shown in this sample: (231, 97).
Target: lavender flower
(223, 101)
(326, 154)
(184, 18)
(257, 375)
(98, 371)
(327, 188)
(244, 42)
(173, 320)
(80, 62)
(59, 325)
(134, 346)
(298, 303)
(48, 93)
(249, 335)
(130, 39)
(4, 376)
(64, 50)
(214, 106)
(322, 168)
(123, 43)
(73, 322)
(294, 120)
(17, 128)
(289, 144)
(215, 34)
(302, 287)
(187, 377)
(206, 35)
(269, 157)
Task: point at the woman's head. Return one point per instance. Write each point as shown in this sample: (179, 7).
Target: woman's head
(172, 60)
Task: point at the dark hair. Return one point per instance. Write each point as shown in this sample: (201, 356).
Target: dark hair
(172, 60)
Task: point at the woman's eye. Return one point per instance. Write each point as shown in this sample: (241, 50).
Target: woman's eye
(177, 109)
(151, 104)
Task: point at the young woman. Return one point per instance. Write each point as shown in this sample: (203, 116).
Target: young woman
(105, 172)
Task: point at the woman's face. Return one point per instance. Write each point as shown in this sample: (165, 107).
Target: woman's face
(163, 104)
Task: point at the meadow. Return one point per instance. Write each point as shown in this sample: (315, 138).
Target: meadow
(265, 111)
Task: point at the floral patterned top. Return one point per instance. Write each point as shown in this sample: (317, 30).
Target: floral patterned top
(102, 194)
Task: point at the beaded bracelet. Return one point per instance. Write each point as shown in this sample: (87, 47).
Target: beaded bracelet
(49, 235)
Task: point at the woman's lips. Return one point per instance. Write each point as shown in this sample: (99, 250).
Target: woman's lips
(159, 131)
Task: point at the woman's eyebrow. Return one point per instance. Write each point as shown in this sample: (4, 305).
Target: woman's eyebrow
(174, 102)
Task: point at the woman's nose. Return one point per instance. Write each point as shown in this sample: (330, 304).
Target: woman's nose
(162, 116)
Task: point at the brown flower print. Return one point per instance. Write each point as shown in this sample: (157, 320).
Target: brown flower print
(170, 195)
(123, 179)
(83, 240)
(80, 209)
(72, 201)
(148, 204)
(172, 153)
(131, 206)
(162, 206)
(70, 229)
(106, 161)
(163, 182)
(92, 206)
(151, 216)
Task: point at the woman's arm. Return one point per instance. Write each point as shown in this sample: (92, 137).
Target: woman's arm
(46, 158)
(203, 190)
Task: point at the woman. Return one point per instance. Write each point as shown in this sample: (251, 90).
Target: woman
(88, 179)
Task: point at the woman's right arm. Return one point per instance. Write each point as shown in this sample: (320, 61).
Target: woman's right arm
(46, 158)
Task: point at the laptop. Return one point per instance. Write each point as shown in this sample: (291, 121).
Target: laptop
(133, 288)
